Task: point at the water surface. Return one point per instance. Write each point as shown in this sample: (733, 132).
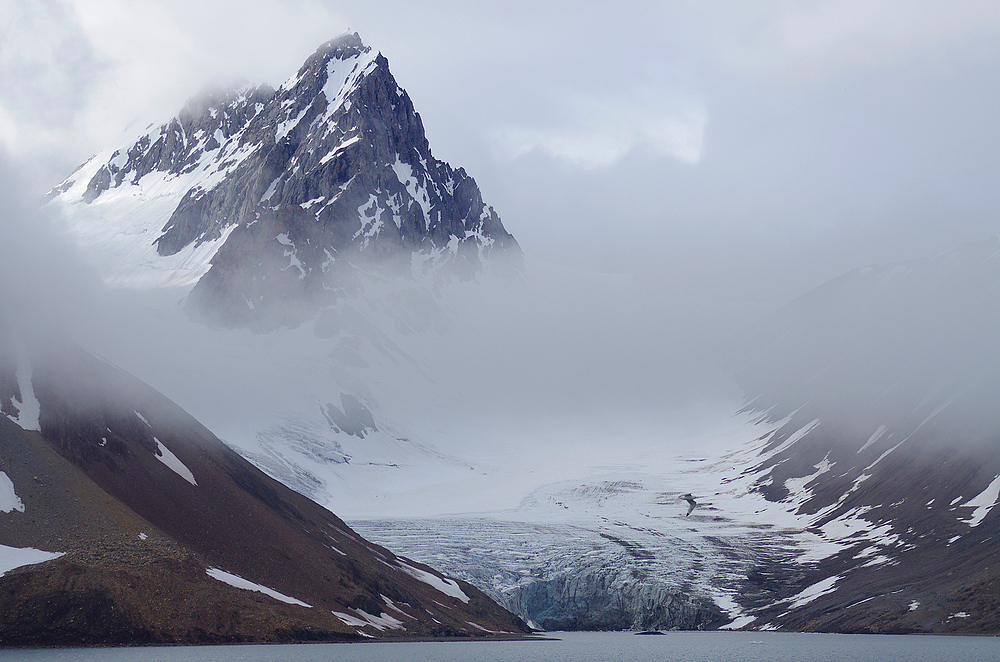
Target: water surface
(570, 647)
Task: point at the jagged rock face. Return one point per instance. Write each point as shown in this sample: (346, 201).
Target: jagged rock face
(159, 533)
(601, 599)
(177, 147)
(289, 192)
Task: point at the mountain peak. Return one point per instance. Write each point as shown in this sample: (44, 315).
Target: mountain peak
(338, 54)
(342, 47)
(295, 188)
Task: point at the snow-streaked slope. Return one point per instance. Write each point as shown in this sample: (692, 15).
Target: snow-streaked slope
(109, 485)
(238, 582)
(882, 387)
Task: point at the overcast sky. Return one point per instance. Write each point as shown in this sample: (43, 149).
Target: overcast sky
(749, 149)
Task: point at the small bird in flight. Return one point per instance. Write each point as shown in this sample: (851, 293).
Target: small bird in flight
(691, 503)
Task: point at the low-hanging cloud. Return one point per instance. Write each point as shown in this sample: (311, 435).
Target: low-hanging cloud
(907, 346)
(46, 292)
(76, 74)
(802, 184)
(49, 71)
(600, 132)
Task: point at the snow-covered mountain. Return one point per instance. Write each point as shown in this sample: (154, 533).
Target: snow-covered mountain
(318, 209)
(270, 201)
(859, 475)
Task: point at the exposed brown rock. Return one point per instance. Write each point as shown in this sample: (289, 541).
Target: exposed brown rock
(138, 537)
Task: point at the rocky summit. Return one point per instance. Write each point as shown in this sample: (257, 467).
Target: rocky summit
(272, 201)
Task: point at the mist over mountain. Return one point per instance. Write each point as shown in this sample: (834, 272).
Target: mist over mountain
(871, 345)
(150, 530)
(859, 495)
(882, 386)
(327, 176)
(361, 350)
(123, 520)
(420, 322)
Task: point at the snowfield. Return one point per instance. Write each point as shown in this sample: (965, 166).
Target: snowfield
(9, 501)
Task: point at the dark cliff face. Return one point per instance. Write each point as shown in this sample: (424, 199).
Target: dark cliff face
(327, 174)
(884, 383)
(145, 505)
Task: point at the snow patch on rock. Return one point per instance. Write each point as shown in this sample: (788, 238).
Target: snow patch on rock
(245, 584)
(983, 503)
(16, 557)
(447, 586)
(9, 501)
(173, 462)
(810, 593)
(381, 622)
(28, 406)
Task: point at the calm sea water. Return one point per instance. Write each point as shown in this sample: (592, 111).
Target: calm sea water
(571, 647)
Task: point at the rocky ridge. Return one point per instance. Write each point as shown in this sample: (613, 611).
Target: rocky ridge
(271, 201)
